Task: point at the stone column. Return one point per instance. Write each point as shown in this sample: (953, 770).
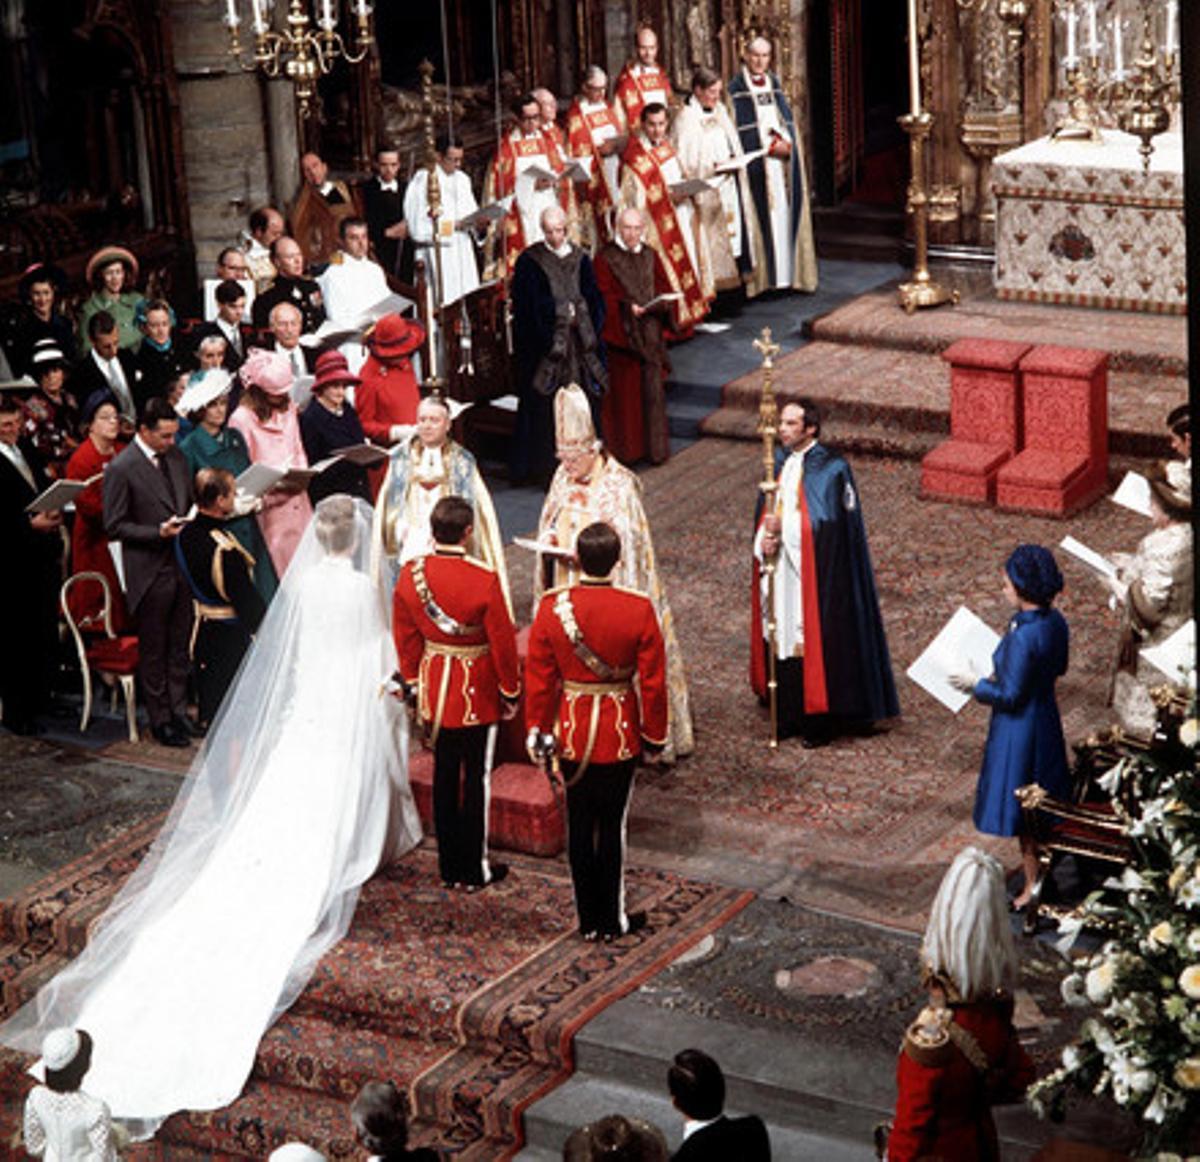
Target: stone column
(239, 131)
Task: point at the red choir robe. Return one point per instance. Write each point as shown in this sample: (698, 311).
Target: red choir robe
(585, 131)
(644, 185)
(636, 88)
(634, 411)
(508, 238)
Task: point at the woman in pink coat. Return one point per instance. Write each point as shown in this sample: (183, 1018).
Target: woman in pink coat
(270, 423)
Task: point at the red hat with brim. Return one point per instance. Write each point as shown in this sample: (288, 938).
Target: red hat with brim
(331, 370)
(394, 336)
(109, 255)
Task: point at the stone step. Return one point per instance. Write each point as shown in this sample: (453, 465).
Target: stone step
(586, 1098)
(337, 1055)
(808, 1086)
(908, 393)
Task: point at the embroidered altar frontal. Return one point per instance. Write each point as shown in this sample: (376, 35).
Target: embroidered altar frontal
(1079, 222)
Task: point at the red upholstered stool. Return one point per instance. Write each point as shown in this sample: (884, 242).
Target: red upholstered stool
(1064, 464)
(985, 421)
(524, 813)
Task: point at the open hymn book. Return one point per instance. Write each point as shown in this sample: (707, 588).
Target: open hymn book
(259, 479)
(964, 645)
(60, 494)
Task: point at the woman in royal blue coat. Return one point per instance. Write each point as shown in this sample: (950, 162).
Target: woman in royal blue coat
(1025, 738)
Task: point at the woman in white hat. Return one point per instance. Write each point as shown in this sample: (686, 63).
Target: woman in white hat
(213, 444)
(61, 1121)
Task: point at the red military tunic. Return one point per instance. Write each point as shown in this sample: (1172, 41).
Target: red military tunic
(598, 718)
(943, 1104)
(461, 677)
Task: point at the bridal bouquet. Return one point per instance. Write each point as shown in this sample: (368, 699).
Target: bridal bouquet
(1141, 1042)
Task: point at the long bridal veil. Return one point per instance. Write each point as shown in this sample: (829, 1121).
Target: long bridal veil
(298, 795)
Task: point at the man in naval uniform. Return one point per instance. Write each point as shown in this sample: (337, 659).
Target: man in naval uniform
(220, 571)
(587, 645)
(458, 655)
(290, 286)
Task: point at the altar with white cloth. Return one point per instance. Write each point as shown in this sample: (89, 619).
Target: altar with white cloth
(1079, 222)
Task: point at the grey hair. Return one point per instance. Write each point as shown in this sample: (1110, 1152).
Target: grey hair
(549, 212)
(595, 75)
(210, 342)
(968, 939)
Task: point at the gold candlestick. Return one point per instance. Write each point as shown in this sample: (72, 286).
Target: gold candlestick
(921, 290)
(768, 428)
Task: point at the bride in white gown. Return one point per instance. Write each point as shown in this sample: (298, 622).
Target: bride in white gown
(299, 794)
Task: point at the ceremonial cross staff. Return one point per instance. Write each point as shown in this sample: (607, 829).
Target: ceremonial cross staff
(768, 427)
(433, 193)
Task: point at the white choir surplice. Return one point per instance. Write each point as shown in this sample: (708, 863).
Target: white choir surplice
(459, 268)
(770, 124)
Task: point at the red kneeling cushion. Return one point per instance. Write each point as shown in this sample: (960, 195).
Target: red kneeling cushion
(966, 457)
(1036, 468)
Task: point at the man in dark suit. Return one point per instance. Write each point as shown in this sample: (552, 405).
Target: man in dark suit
(107, 366)
(697, 1088)
(383, 207)
(147, 490)
(31, 578)
(239, 338)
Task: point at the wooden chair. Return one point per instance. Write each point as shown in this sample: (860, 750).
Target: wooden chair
(113, 656)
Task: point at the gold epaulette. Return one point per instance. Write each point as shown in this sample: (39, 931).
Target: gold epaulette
(927, 1040)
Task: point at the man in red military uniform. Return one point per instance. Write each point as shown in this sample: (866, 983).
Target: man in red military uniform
(458, 650)
(587, 643)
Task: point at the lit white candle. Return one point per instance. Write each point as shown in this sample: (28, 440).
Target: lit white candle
(1170, 43)
(1118, 50)
(231, 13)
(1072, 20)
(259, 9)
(326, 20)
(362, 8)
(1093, 31)
(914, 61)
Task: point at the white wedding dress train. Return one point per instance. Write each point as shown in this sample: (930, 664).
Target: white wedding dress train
(298, 797)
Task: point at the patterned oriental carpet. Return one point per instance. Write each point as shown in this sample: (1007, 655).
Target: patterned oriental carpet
(469, 1001)
(866, 826)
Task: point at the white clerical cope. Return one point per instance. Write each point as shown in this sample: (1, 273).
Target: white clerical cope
(459, 269)
(771, 125)
(112, 371)
(602, 126)
(531, 202)
(789, 614)
(426, 487)
(17, 459)
(708, 142)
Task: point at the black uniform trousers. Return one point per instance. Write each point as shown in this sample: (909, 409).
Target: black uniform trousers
(220, 647)
(596, 806)
(460, 804)
(164, 625)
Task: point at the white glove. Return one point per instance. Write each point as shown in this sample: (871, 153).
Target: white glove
(244, 503)
(964, 681)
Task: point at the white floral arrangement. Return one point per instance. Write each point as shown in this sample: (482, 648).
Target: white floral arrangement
(1141, 1043)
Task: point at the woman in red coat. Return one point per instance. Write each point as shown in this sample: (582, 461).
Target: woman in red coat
(89, 542)
(387, 396)
(961, 1056)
